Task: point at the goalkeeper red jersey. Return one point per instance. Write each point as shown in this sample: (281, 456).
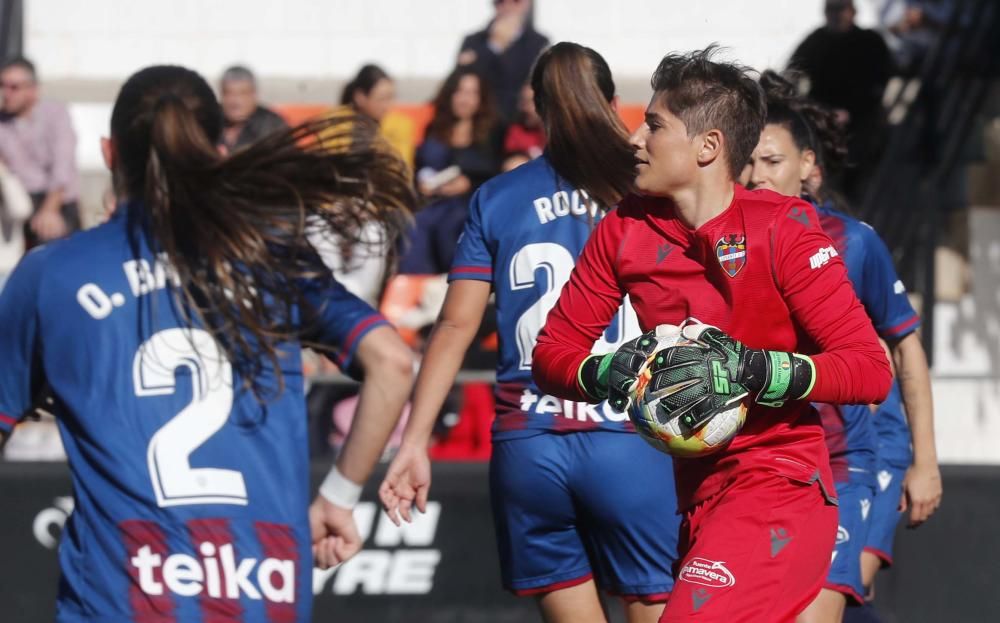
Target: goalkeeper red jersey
(762, 271)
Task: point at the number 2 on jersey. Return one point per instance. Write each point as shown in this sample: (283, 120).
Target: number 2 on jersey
(557, 263)
(175, 482)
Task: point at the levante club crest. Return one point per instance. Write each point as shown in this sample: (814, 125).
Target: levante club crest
(732, 253)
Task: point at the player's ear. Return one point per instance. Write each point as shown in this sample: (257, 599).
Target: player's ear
(108, 152)
(807, 165)
(712, 144)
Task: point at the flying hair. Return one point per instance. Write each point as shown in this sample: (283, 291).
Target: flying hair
(233, 227)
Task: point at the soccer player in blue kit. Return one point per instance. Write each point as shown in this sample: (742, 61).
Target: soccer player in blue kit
(168, 341)
(570, 513)
(869, 453)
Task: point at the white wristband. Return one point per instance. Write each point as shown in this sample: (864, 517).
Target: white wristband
(340, 491)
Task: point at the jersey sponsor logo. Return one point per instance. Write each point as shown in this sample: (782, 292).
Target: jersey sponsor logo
(884, 479)
(396, 560)
(843, 536)
(544, 404)
(866, 506)
(822, 257)
(706, 572)
(898, 287)
(564, 203)
(731, 251)
(217, 573)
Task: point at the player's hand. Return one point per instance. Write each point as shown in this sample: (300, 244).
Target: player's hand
(406, 483)
(624, 366)
(335, 536)
(921, 492)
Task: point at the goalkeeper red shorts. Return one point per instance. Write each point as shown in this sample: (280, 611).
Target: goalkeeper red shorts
(758, 550)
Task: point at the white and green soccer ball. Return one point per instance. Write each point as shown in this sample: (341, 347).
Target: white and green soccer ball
(666, 433)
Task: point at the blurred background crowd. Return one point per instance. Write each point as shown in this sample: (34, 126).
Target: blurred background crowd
(907, 79)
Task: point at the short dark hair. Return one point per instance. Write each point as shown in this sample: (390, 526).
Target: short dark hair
(23, 63)
(238, 73)
(707, 94)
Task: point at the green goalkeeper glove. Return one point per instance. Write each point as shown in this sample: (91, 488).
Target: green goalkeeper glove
(699, 380)
(611, 376)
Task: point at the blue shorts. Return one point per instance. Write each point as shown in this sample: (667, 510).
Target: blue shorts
(854, 514)
(885, 516)
(571, 507)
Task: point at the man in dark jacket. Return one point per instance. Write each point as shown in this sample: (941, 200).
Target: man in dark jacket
(246, 121)
(848, 68)
(504, 51)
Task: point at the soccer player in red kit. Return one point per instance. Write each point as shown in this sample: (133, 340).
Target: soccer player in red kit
(759, 519)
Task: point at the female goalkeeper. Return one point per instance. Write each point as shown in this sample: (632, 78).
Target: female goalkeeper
(759, 516)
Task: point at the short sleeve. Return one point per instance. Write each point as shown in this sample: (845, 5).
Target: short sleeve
(883, 294)
(473, 259)
(20, 363)
(338, 320)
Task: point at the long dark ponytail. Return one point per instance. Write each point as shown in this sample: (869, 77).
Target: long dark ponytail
(587, 144)
(233, 227)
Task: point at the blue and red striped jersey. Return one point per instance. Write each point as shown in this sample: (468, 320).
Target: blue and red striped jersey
(524, 232)
(191, 494)
(854, 434)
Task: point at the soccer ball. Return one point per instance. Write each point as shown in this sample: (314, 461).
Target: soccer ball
(668, 434)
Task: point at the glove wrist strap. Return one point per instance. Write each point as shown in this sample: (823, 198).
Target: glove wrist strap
(592, 376)
(778, 376)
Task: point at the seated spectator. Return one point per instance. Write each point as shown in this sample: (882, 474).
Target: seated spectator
(460, 152)
(504, 51)
(373, 93)
(246, 121)
(526, 134)
(38, 145)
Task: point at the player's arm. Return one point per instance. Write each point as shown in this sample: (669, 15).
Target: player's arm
(408, 479)
(21, 375)
(922, 488)
(562, 364)
(851, 366)
(897, 322)
(363, 342)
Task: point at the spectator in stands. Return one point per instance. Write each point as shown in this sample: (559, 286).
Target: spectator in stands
(246, 121)
(373, 93)
(848, 68)
(504, 51)
(461, 151)
(912, 27)
(38, 145)
(526, 134)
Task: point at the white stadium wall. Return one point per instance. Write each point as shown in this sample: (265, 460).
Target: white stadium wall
(303, 49)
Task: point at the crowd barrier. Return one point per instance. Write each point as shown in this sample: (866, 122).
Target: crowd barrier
(444, 566)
